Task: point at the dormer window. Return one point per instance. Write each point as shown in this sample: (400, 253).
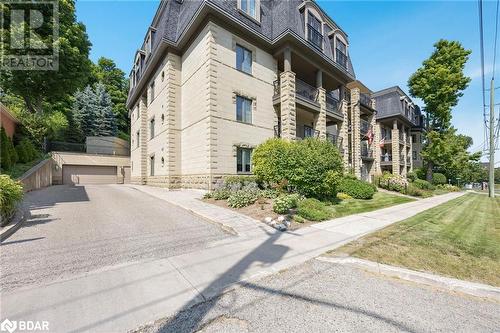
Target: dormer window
(250, 8)
(341, 53)
(314, 31)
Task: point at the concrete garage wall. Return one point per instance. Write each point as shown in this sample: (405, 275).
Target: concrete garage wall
(108, 145)
(60, 159)
(37, 177)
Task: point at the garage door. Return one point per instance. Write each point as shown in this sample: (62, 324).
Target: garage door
(89, 174)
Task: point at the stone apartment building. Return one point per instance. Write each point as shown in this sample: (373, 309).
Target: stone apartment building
(215, 78)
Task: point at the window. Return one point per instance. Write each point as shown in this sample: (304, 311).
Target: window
(152, 91)
(152, 165)
(243, 160)
(314, 31)
(243, 59)
(341, 53)
(243, 109)
(137, 135)
(162, 76)
(414, 155)
(250, 7)
(152, 128)
(414, 139)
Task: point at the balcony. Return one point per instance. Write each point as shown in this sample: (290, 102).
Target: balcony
(364, 127)
(314, 37)
(277, 131)
(336, 140)
(309, 132)
(365, 100)
(341, 58)
(332, 104)
(386, 159)
(303, 91)
(366, 152)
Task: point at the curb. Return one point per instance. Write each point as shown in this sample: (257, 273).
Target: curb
(17, 221)
(466, 287)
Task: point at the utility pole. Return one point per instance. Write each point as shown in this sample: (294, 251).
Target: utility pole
(491, 183)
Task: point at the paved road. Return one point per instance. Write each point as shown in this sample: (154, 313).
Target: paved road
(78, 229)
(325, 297)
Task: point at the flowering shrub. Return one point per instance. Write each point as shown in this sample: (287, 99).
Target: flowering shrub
(393, 182)
(284, 203)
(242, 198)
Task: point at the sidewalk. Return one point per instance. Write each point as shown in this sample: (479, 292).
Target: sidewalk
(120, 298)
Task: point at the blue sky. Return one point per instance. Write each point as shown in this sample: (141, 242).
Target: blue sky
(388, 41)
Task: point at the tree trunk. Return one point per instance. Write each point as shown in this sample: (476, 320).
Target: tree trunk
(428, 175)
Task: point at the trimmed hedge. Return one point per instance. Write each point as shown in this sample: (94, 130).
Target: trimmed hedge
(313, 210)
(423, 184)
(303, 165)
(356, 188)
(11, 192)
(438, 179)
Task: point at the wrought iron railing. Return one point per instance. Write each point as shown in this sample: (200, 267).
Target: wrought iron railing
(306, 91)
(341, 58)
(310, 132)
(332, 104)
(314, 36)
(386, 158)
(332, 138)
(364, 126)
(365, 99)
(366, 151)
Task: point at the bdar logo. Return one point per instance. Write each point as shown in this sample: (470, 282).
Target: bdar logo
(9, 326)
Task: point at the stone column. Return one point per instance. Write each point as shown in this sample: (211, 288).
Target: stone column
(288, 111)
(344, 129)
(376, 141)
(143, 136)
(395, 148)
(320, 119)
(405, 154)
(411, 153)
(355, 132)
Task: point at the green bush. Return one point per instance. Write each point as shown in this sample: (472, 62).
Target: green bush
(11, 192)
(242, 198)
(421, 173)
(448, 187)
(438, 179)
(221, 193)
(269, 193)
(412, 176)
(5, 159)
(242, 180)
(22, 154)
(343, 196)
(356, 188)
(298, 219)
(302, 164)
(331, 183)
(423, 184)
(284, 203)
(313, 210)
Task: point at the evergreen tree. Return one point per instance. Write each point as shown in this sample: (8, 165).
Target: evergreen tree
(86, 111)
(107, 121)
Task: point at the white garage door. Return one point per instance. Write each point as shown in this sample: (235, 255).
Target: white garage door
(89, 174)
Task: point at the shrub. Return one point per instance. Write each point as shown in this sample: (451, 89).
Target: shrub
(269, 193)
(242, 198)
(356, 188)
(438, 179)
(393, 182)
(298, 219)
(302, 164)
(412, 176)
(421, 173)
(5, 159)
(313, 209)
(284, 203)
(11, 192)
(448, 187)
(415, 191)
(22, 154)
(331, 183)
(242, 180)
(423, 184)
(221, 193)
(343, 196)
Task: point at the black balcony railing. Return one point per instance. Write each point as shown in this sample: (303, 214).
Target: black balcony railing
(310, 132)
(366, 151)
(386, 158)
(365, 100)
(277, 131)
(306, 91)
(314, 36)
(333, 138)
(341, 58)
(364, 127)
(332, 104)
(277, 88)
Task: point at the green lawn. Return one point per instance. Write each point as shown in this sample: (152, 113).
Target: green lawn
(355, 206)
(460, 238)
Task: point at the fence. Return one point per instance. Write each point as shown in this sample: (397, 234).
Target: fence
(38, 176)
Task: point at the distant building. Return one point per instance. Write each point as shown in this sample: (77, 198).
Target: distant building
(8, 121)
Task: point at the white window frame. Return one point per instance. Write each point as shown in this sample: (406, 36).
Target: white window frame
(247, 12)
(244, 152)
(244, 119)
(251, 58)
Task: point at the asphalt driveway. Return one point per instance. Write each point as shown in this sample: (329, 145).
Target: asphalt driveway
(73, 230)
